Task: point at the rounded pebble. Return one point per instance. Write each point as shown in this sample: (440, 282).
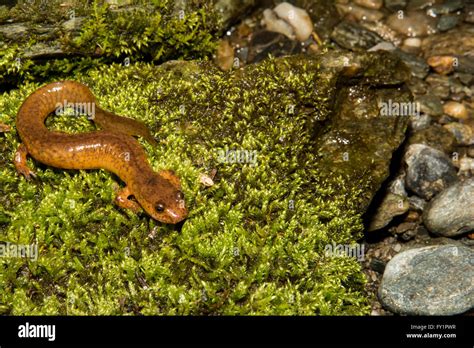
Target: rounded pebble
(412, 24)
(433, 280)
(451, 212)
(429, 171)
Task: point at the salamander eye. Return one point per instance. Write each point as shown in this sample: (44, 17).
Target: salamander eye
(160, 208)
(179, 195)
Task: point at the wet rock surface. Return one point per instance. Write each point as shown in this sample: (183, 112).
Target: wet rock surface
(435, 280)
(451, 212)
(429, 171)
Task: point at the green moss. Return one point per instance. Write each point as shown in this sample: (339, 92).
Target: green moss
(153, 31)
(254, 241)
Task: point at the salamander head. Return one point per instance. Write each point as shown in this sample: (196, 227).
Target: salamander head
(161, 197)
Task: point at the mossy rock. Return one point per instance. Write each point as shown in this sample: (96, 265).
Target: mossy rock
(254, 242)
(40, 39)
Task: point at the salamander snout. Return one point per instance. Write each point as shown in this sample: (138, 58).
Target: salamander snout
(161, 197)
(172, 211)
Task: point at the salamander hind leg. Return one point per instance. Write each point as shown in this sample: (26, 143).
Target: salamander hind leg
(20, 162)
(122, 200)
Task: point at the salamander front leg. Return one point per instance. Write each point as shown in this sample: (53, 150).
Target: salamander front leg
(122, 200)
(20, 162)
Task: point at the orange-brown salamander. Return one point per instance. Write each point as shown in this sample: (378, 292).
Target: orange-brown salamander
(113, 148)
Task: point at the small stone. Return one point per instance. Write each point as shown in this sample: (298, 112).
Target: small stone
(372, 4)
(420, 122)
(383, 46)
(354, 37)
(443, 65)
(450, 213)
(412, 23)
(466, 166)
(448, 43)
(412, 42)
(384, 31)
(412, 215)
(430, 104)
(409, 235)
(440, 85)
(206, 180)
(466, 79)
(297, 18)
(447, 22)
(377, 265)
(418, 86)
(433, 280)
(397, 186)
(391, 206)
(446, 7)
(456, 110)
(395, 5)
(463, 133)
(272, 23)
(405, 226)
(360, 13)
(417, 203)
(435, 136)
(417, 65)
(429, 171)
(397, 247)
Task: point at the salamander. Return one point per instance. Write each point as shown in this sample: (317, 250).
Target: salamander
(112, 147)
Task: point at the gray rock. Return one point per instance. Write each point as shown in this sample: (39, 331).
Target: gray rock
(463, 133)
(465, 78)
(435, 136)
(447, 22)
(397, 186)
(354, 37)
(451, 212)
(13, 31)
(440, 85)
(412, 23)
(448, 43)
(395, 5)
(417, 65)
(430, 104)
(446, 7)
(391, 206)
(417, 203)
(434, 280)
(420, 122)
(429, 171)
